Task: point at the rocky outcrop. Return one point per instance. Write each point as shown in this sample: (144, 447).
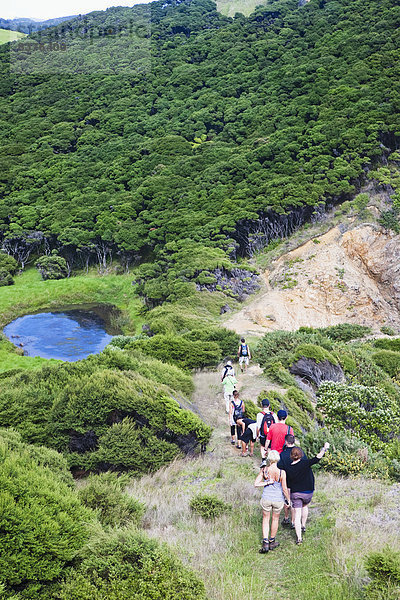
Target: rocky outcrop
(351, 274)
(316, 372)
(239, 283)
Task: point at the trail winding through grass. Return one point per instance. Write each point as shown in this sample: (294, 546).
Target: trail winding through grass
(328, 566)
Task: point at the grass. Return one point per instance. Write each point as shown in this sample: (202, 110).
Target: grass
(7, 35)
(246, 7)
(31, 294)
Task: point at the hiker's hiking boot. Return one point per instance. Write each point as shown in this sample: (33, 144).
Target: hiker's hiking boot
(273, 544)
(265, 547)
(285, 523)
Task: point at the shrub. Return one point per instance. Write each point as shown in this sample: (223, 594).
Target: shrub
(388, 360)
(5, 278)
(384, 569)
(315, 353)
(344, 332)
(385, 329)
(52, 267)
(121, 341)
(179, 351)
(104, 494)
(385, 344)
(73, 407)
(126, 447)
(365, 411)
(251, 409)
(42, 522)
(8, 263)
(227, 340)
(125, 564)
(208, 506)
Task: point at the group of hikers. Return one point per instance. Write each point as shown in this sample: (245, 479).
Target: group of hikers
(285, 472)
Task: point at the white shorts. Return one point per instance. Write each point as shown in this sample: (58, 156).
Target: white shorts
(243, 359)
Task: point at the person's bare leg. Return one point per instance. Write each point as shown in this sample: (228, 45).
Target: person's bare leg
(251, 448)
(243, 448)
(265, 524)
(304, 515)
(297, 522)
(275, 523)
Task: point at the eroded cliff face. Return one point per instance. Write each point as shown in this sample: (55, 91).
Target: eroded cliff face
(342, 276)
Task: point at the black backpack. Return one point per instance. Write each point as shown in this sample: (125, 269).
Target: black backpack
(238, 411)
(266, 423)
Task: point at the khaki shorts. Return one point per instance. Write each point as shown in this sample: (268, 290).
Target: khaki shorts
(268, 504)
(243, 359)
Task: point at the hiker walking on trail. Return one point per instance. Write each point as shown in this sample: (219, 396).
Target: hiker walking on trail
(283, 463)
(249, 435)
(229, 384)
(227, 369)
(300, 480)
(273, 498)
(236, 414)
(277, 432)
(265, 419)
(244, 355)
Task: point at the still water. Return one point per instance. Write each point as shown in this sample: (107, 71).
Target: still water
(66, 334)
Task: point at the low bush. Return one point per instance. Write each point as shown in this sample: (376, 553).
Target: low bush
(121, 341)
(388, 360)
(42, 521)
(386, 344)
(251, 409)
(127, 447)
(177, 350)
(79, 409)
(386, 330)
(364, 411)
(384, 569)
(315, 353)
(208, 506)
(52, 267)
(5, 278)
(8, 263)
(104, 494)
(125, 564)
(227, 340)
(344, 332)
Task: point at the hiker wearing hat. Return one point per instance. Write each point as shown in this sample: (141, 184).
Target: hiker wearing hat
(277, 432)
(265, 419)
(229, 382)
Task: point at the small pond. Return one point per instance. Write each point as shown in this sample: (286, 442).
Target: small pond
(69, 333)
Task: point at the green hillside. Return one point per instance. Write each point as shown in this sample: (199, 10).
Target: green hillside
(236, 122)
(9, 36)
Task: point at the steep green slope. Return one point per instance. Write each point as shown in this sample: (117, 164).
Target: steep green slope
(288, 108)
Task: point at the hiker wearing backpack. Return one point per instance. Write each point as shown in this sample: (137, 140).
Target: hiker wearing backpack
(249, 435)
(227, 369)
(228, 383)
(284, 463)
(277, 432)
(265, 419)
(236, 414)
(244, 355)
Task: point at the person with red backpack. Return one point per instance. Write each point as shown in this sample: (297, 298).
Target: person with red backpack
(265, 419)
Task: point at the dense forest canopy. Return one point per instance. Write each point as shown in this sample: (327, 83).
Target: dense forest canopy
(235, 120)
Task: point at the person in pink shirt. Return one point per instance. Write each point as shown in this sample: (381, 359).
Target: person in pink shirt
(277, 431)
